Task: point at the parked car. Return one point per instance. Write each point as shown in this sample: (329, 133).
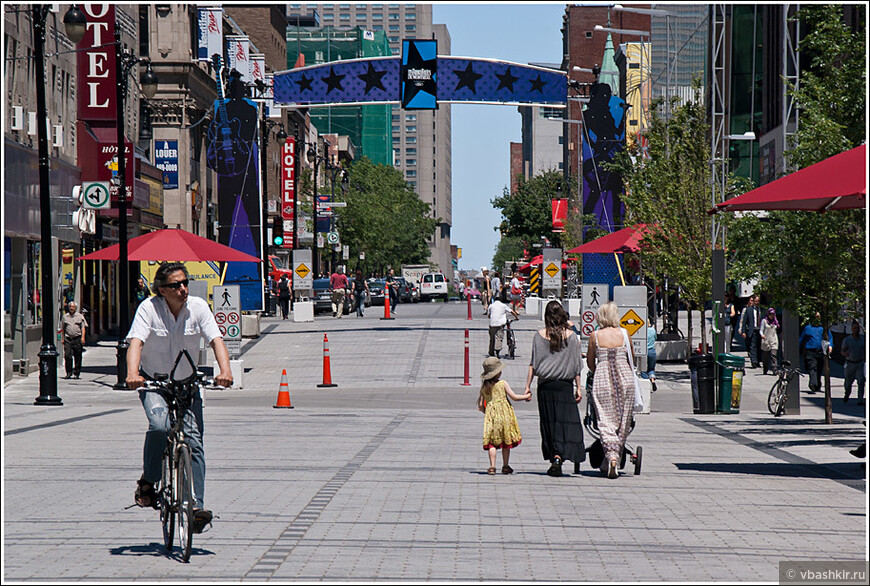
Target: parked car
(472, 292)
(405, 295)
(433, 286)
(323, 297)
(376, 290)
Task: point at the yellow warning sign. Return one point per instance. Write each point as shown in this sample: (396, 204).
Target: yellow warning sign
(302, 271)
(631, 322)
(552, 269)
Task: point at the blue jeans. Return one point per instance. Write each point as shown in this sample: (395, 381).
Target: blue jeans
(155, 440)
(360, 303)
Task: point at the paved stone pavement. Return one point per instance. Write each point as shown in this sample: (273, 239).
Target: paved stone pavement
(383, 477)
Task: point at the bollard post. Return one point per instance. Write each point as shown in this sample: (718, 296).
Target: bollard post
(467, 382)
(468, 297)
(387, 304)
(327, 370)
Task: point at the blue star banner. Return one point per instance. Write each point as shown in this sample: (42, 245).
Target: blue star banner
(458, 79)
(419, 74)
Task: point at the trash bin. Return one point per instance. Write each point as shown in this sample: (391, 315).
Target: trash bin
(702, 370)
(731, 369)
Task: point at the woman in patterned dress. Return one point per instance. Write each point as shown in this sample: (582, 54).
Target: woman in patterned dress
(500, 426)
(613, 385)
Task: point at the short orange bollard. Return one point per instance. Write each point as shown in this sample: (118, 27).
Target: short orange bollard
(283, 393)
(327, 370)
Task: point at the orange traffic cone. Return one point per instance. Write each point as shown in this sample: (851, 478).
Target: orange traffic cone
(283, 393)
(387, 305)
(327, 371)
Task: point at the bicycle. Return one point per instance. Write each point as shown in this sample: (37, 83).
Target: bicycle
(778, 392)
(175, 498)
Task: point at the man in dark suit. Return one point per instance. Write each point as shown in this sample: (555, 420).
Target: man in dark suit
(750, 323)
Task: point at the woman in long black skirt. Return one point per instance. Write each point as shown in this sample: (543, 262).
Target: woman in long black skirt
(556, 361)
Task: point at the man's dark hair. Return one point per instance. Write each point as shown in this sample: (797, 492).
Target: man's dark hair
(163, 272)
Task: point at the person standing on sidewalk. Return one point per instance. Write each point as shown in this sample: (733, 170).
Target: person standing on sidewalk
(495, 284)
(142, 291)
(284, 296)
(516, 291)
(497, 320)
(815, 347)
(74, 327)
(750, 324)
(338, 284)
(360, 292)
(485, 289)
(163, 326)
(500, 427)
(770, 342)
(853, 351)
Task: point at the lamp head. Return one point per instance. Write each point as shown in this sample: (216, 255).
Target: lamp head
(282, 136)
(75, 22)
(149, 82)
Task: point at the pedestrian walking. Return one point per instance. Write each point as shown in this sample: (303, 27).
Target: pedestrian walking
(750, 324)
(284, 296)
(556, 361)
(854, 352)
(501, 430)
(142, 291)
(516, 292)
(485, 288)
(338, 285)
(498, 316)
(769, 342)
(392, 286)
(495, 285)
(74, 326)
(360, 292)
(730, 320)
(815, 347)
(609, 358)
(651, 355)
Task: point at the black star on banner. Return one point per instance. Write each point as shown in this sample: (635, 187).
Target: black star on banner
(333, 81)
(537, 84)
(372, 77)
(305, 83)
(467, 78)
(427, 86)
(506, 81)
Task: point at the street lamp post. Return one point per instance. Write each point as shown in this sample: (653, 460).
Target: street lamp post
(312, 154)
(124, 63)
(74, 23)
(266, 127)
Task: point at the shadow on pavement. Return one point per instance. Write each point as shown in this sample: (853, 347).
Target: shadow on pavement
(154, 549)
(836, 471)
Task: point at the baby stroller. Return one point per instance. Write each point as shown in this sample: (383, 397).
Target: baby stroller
(596, 450)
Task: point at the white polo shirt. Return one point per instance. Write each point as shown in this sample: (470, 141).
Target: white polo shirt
(164, 336)
(497, 313)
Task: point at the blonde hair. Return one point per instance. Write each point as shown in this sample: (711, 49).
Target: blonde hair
(608, 315)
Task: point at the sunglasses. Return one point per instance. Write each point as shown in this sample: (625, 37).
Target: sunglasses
(176, 284)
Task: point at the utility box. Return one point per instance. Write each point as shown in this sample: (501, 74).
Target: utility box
(238, 371)
(303, 311)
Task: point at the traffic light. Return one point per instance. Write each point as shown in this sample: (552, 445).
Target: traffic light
(277, 231)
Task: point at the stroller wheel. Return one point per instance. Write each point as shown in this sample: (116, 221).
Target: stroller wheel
(638, 459)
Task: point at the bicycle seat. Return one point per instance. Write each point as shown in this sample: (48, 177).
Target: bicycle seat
(785, 362)
(160, 377)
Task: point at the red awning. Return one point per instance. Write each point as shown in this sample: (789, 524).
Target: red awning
(535, 262)
(172, 245)
(625, 240)
(837, 183)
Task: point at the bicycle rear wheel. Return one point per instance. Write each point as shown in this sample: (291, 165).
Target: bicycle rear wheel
(167, 502)
(184, 483)
(776, 398)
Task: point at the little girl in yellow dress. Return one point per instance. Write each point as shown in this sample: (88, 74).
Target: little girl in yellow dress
(500, 426)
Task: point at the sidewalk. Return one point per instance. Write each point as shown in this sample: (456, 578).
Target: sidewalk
(383, 478)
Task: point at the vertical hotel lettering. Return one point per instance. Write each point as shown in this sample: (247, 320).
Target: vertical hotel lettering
(97, 76)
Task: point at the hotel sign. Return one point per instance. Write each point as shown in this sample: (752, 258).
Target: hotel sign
(96, 64)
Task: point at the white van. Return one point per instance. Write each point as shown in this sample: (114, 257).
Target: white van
(433, 285)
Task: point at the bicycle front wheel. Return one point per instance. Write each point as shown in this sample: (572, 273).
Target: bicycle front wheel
(167, 502)
(184, 483)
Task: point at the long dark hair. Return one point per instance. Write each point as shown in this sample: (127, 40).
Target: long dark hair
(556, 322)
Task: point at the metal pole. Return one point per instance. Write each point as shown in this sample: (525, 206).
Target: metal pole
(124, 265)
(297, 182)
(314, 252)
(264, 142)
(48, 352)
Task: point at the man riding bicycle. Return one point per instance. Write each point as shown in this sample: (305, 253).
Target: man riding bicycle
(163, 326)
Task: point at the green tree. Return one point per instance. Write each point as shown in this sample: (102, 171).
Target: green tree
(814, 262)
(528, 212)
(669, 189)
(508, 249)
(384, 218)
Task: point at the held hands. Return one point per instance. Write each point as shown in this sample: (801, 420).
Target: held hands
(527, 396)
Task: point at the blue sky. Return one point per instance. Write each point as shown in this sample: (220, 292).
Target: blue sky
(482, 133)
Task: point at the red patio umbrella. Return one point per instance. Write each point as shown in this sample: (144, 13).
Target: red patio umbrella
(535, 262)
(625, 240)
(172, 245)
(837, 183)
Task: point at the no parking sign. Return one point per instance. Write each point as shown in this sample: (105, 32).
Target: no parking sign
(228, 315)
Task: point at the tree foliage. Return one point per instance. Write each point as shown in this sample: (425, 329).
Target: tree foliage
(528, 212)
(384, 218)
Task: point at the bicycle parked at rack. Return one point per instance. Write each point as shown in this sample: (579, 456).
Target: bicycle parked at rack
(777, 396)
(175, 499)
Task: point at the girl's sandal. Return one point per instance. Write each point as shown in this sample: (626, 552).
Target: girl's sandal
(491, 470)
(145, 495)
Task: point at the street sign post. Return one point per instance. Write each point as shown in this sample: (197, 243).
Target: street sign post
(551, 272)
(95, 195)
(592, 296)
(633, 319)
(303, 279)
(226, 304)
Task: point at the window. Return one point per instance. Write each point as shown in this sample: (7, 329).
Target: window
(588, 34)
(397, 163)
(411, 151)
(411, 162)
(395, 117)
(344, 6)
(413, 184)
(394, 27)
(318, 56)
(410, 16)
(377, 17)
(410, 117)
(361, 17)
(362, 6)
(410, 140)
(394, 16)
(328, 17)
(410, 129)
(345, 17)
(411, 28)
(396, 139)
(394, 39)
(394, 6)
(561, 140)
(411, 173)
(396, 130)
(378, 27)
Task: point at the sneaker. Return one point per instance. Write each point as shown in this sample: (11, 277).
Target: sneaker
(654, 387)
(201, 518)
(846, 397)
